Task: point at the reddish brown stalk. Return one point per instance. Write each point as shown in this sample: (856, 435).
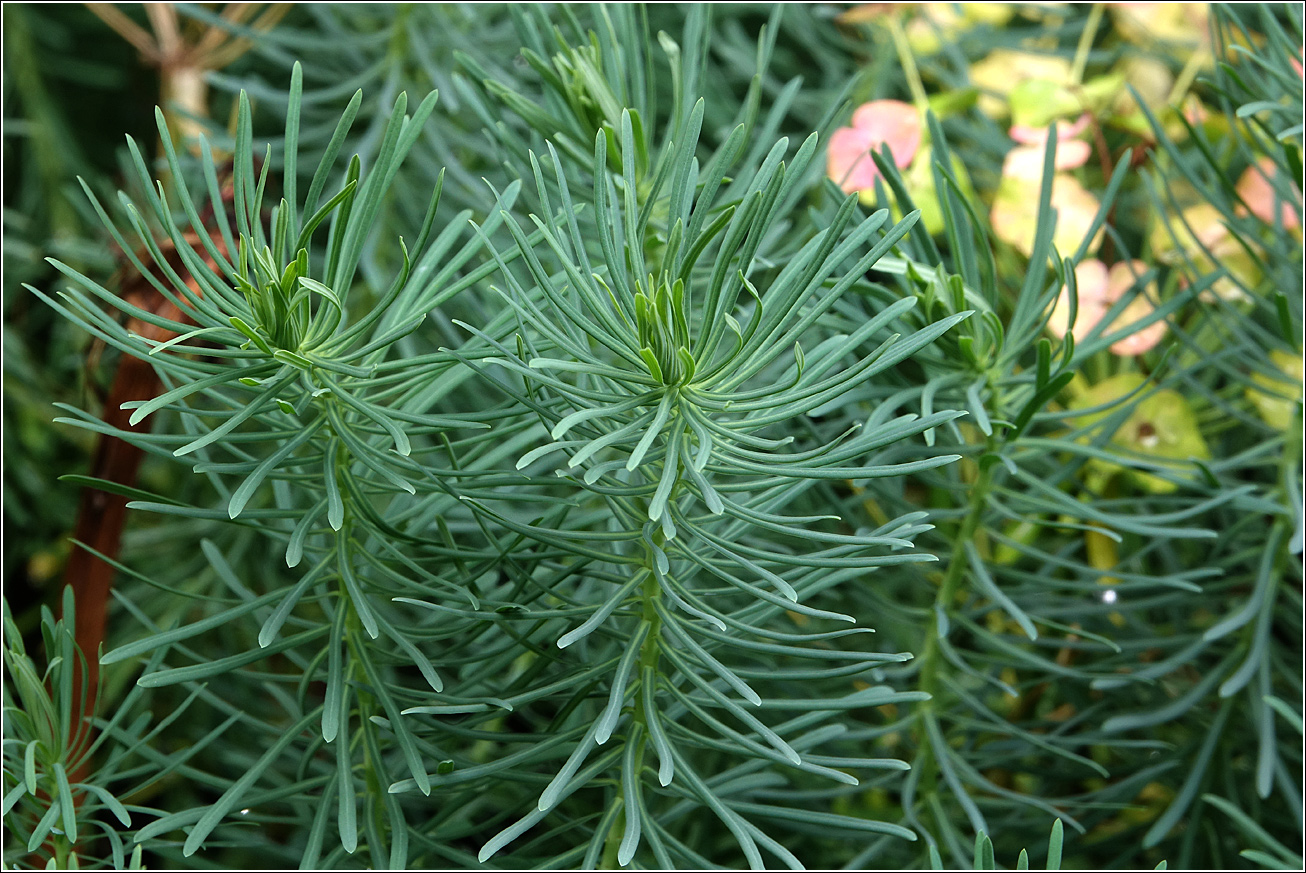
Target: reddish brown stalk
(183, 56)
(100, 514)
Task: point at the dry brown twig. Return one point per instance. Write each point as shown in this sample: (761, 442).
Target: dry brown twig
(185, 59)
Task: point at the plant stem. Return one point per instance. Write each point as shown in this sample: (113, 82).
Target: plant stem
(1186, 76)
(956, 568)
(650, 650)
(1086, 44)
(613, 841)
(908, 62)
(925, 762)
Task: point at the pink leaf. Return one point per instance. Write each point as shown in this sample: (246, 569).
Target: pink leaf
(1256, 191)
(880, 122)
(1098, 290)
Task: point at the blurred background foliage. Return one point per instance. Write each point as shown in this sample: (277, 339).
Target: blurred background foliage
(1156, 707)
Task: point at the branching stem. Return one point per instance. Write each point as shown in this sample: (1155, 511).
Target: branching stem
(931, 655)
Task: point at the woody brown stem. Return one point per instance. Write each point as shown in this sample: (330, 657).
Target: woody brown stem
(100, 514)
(100, 518)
